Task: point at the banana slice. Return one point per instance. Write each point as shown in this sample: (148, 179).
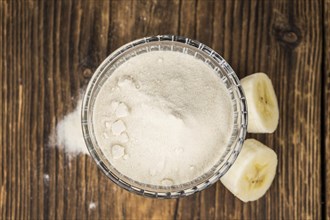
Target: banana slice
(262, 103)
(253, 171)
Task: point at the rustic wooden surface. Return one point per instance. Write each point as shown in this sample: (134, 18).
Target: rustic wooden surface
(326, 109)
(49, 49)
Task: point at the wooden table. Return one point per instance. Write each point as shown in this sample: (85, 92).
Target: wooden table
(49, 50)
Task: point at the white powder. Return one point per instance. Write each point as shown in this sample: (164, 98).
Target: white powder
(69, 133)
(163, 118)
(46, 178)
(92, 205)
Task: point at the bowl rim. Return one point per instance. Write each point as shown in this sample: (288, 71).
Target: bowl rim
(231, 155)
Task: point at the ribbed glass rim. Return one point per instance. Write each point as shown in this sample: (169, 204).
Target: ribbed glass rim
(231, 154)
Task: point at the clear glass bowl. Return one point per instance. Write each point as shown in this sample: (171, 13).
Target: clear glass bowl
(167, 43)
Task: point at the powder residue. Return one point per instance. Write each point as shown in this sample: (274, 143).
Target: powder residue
(46, 178)
(92, 205)
(69, 133)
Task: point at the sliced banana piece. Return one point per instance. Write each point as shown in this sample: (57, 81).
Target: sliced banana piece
(262, 103)
(253, 171)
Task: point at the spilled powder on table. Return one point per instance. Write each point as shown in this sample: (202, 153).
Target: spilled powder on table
(46, 178)
(92, 205)
(69, 136)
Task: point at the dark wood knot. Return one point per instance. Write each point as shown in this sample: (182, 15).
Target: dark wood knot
(288, 35)
(87, 73)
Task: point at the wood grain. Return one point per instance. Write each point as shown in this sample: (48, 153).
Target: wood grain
(326, 109)
(49, 50)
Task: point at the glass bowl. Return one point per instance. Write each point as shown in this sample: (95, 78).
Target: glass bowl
(167, 43)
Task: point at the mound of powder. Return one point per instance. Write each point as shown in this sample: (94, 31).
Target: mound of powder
(163, 118)
(69, 133)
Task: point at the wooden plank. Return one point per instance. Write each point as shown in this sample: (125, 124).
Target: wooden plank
(3, 115)
(326, 109)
